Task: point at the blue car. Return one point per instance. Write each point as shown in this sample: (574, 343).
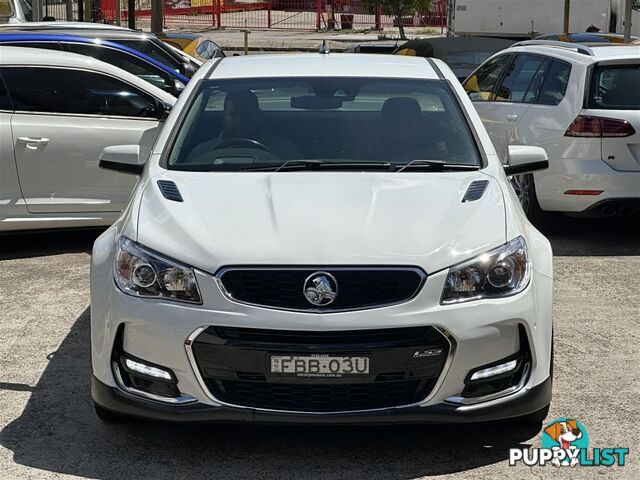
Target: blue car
(121, 56)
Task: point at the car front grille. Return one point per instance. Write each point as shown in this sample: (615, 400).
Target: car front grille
(320, 398)
(235, 367)
(358, 288)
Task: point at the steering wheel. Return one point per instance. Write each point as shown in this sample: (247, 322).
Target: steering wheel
(241, 142)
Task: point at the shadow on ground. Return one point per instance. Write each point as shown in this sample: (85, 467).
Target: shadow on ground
(59, 432)
(615, 236)
(39, 244)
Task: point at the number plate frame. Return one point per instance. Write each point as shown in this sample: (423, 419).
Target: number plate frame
(319, 365)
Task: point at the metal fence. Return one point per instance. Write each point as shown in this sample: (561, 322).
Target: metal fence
(275, 14)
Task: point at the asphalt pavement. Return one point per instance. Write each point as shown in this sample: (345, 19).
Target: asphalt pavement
(49, 429)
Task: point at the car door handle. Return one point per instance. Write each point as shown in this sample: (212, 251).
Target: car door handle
(37, 141)
(512, 117)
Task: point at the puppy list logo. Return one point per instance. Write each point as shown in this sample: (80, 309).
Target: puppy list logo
(565, 442)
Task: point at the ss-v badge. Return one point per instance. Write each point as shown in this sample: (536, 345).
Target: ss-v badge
(433, 352)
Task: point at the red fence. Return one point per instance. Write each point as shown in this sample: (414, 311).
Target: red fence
(276, 14)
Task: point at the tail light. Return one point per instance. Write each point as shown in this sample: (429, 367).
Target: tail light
(600, 127)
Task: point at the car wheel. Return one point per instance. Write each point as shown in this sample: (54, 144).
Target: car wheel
(108, 416)
(525, 189)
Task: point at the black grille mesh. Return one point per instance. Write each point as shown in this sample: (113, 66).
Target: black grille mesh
(319, 398)
(357, 288)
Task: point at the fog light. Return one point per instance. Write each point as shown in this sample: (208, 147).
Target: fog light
(147, 370)
(495, 370)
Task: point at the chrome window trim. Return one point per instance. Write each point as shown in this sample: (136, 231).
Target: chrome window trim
(218, 279)
(188, 345)
(460, 400)
(181, 400)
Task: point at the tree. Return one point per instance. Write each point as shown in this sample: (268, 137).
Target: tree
(399, 9)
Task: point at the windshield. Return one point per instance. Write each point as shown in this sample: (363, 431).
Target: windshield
(615, 87)
(242, 123)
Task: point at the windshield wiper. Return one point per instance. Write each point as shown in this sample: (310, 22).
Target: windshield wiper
(320, 165)
(436, 166)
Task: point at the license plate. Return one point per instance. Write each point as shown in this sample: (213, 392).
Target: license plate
(319, 365)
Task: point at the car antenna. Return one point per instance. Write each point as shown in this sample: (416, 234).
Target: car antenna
(324, 48)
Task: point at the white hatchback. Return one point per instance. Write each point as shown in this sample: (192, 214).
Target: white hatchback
(58, 110)
(322, 238)
(582, 105)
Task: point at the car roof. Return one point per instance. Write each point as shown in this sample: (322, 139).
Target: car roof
(45, 37)
(57, 25)
(323, 65)
(48, 58)
(98, 33)
(185, 36)
(590, 53)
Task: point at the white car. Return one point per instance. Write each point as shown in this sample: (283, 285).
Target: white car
(322, 238)
(582, 105)
(58, 110)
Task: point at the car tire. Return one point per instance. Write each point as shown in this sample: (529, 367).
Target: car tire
(525, 190)
(108, 416)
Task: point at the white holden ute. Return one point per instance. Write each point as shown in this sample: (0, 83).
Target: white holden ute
(322, 238)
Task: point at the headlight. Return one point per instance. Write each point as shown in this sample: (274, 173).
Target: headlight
(499, 273)
(143, 273)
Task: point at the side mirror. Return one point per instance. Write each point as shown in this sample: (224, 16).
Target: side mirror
(187, 69)
(178, 87)
(163, 110)
(122, 158)
(525, 159)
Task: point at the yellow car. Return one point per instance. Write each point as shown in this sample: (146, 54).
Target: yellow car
(199, 47)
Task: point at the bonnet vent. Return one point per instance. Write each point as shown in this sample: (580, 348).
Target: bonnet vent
(170, 190)
(475, 190)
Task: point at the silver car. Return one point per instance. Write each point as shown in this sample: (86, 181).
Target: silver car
(53, 127)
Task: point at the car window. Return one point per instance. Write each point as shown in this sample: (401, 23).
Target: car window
(5, 101)
(232, 123)
(144, 70)
(6, 8)
(149, 48)
(479, 86)
(616, 87)
(518, 78)
(555, 83)
(67, 91)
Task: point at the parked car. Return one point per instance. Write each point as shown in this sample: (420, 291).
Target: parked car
(202, 48)
(263, 273)
(462, 54)
(372, 47)
(58, 110)
(586, 37)
(582, 105)
(129, 59)
(35, 26)
(146, 43)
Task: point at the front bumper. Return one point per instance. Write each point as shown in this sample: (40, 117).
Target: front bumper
(523, 402)
(483, 332)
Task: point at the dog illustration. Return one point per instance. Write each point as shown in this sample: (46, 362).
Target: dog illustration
(565, 433)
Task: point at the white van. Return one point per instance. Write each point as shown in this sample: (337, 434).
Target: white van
(524, 18)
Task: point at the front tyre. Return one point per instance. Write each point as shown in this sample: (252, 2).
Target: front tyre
(525, 189)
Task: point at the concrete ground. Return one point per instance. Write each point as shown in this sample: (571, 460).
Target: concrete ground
(49, 429)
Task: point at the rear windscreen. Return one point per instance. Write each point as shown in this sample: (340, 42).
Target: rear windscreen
(616, 87)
